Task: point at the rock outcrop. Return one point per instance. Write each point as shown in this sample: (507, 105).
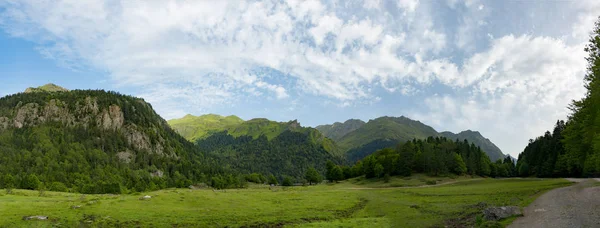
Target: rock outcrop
(497, 213)
(86, 113)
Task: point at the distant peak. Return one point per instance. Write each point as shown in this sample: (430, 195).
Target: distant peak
(470, 132)
(50, 87)
(354, 121)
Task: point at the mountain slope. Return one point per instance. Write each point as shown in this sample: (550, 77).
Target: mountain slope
(387, 132)
(259, 145)
(198, 127)
(290, 153)
(338, 130)
(476, 138)
(386, 128)
(92, 141)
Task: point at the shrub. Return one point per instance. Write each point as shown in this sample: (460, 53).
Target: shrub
(58, 187)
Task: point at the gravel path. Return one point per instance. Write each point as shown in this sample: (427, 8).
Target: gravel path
(573, 206)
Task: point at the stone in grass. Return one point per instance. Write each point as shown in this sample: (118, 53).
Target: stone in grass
(497, 213)
(76, 207)
(146, 197)
(35, 217)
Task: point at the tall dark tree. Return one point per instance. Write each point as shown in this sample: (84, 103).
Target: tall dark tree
(582, 133)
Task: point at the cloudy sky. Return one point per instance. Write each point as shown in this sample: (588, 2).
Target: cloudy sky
(505, 68)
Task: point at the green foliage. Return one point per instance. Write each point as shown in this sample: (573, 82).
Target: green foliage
(256, 178)
(334, 172)
(546, 156)
(287, 181)
(290, 153)
(313, 176)
(31, 182)
(338, 130)
(341, 205)
(435, 156)
(582, 131)
(46, 88)
(492, 151)
(272, 180)
(358, 139)
(397, 129)
(199, 127)
(58, 187)
(84, 157)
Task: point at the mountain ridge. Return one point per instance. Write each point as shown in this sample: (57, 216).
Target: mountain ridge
(194, 128)
(94, 141)
(387, 131)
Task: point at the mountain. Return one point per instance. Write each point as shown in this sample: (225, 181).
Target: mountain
(198, 127)
(259, 145)
(92, 141)
(338, 130)
(475, 137)
(195, 128)
(46, 88)
(387, 132)
(393, 128)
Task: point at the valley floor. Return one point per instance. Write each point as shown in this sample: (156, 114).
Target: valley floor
(353, 203)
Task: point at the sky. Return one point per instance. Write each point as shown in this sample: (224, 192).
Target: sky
(507, 69)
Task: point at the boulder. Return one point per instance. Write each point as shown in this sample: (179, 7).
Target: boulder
(35, 217)
(497, 213)
(146, 197)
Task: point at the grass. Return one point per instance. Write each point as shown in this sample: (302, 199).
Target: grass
(340, 205)
(412, 181)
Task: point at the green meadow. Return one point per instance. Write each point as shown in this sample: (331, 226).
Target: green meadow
(418, 201)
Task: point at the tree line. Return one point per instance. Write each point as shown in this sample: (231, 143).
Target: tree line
(436, 156)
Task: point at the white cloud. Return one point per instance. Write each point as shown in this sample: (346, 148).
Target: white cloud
(408, 5)
(471, 22)
(204, 54)
(208, 45)
(521, 86)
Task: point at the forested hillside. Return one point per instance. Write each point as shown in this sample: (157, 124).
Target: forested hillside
(282, 149)
(92, 141)
(288, 154)
(358, 139)
(476, 138)
(434, 155)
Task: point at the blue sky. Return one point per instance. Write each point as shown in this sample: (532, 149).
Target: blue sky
(505, 68)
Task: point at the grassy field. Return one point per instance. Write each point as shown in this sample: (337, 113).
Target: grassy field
(354, 203)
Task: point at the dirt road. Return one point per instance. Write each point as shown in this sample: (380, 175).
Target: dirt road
(573, 206)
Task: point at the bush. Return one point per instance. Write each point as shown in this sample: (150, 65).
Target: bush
(58, 187)
(386, 178)
(287, 181)
(431, 182)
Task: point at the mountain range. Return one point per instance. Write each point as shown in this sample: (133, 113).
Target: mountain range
(353, 140)
(95, 141)
(358, 139)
